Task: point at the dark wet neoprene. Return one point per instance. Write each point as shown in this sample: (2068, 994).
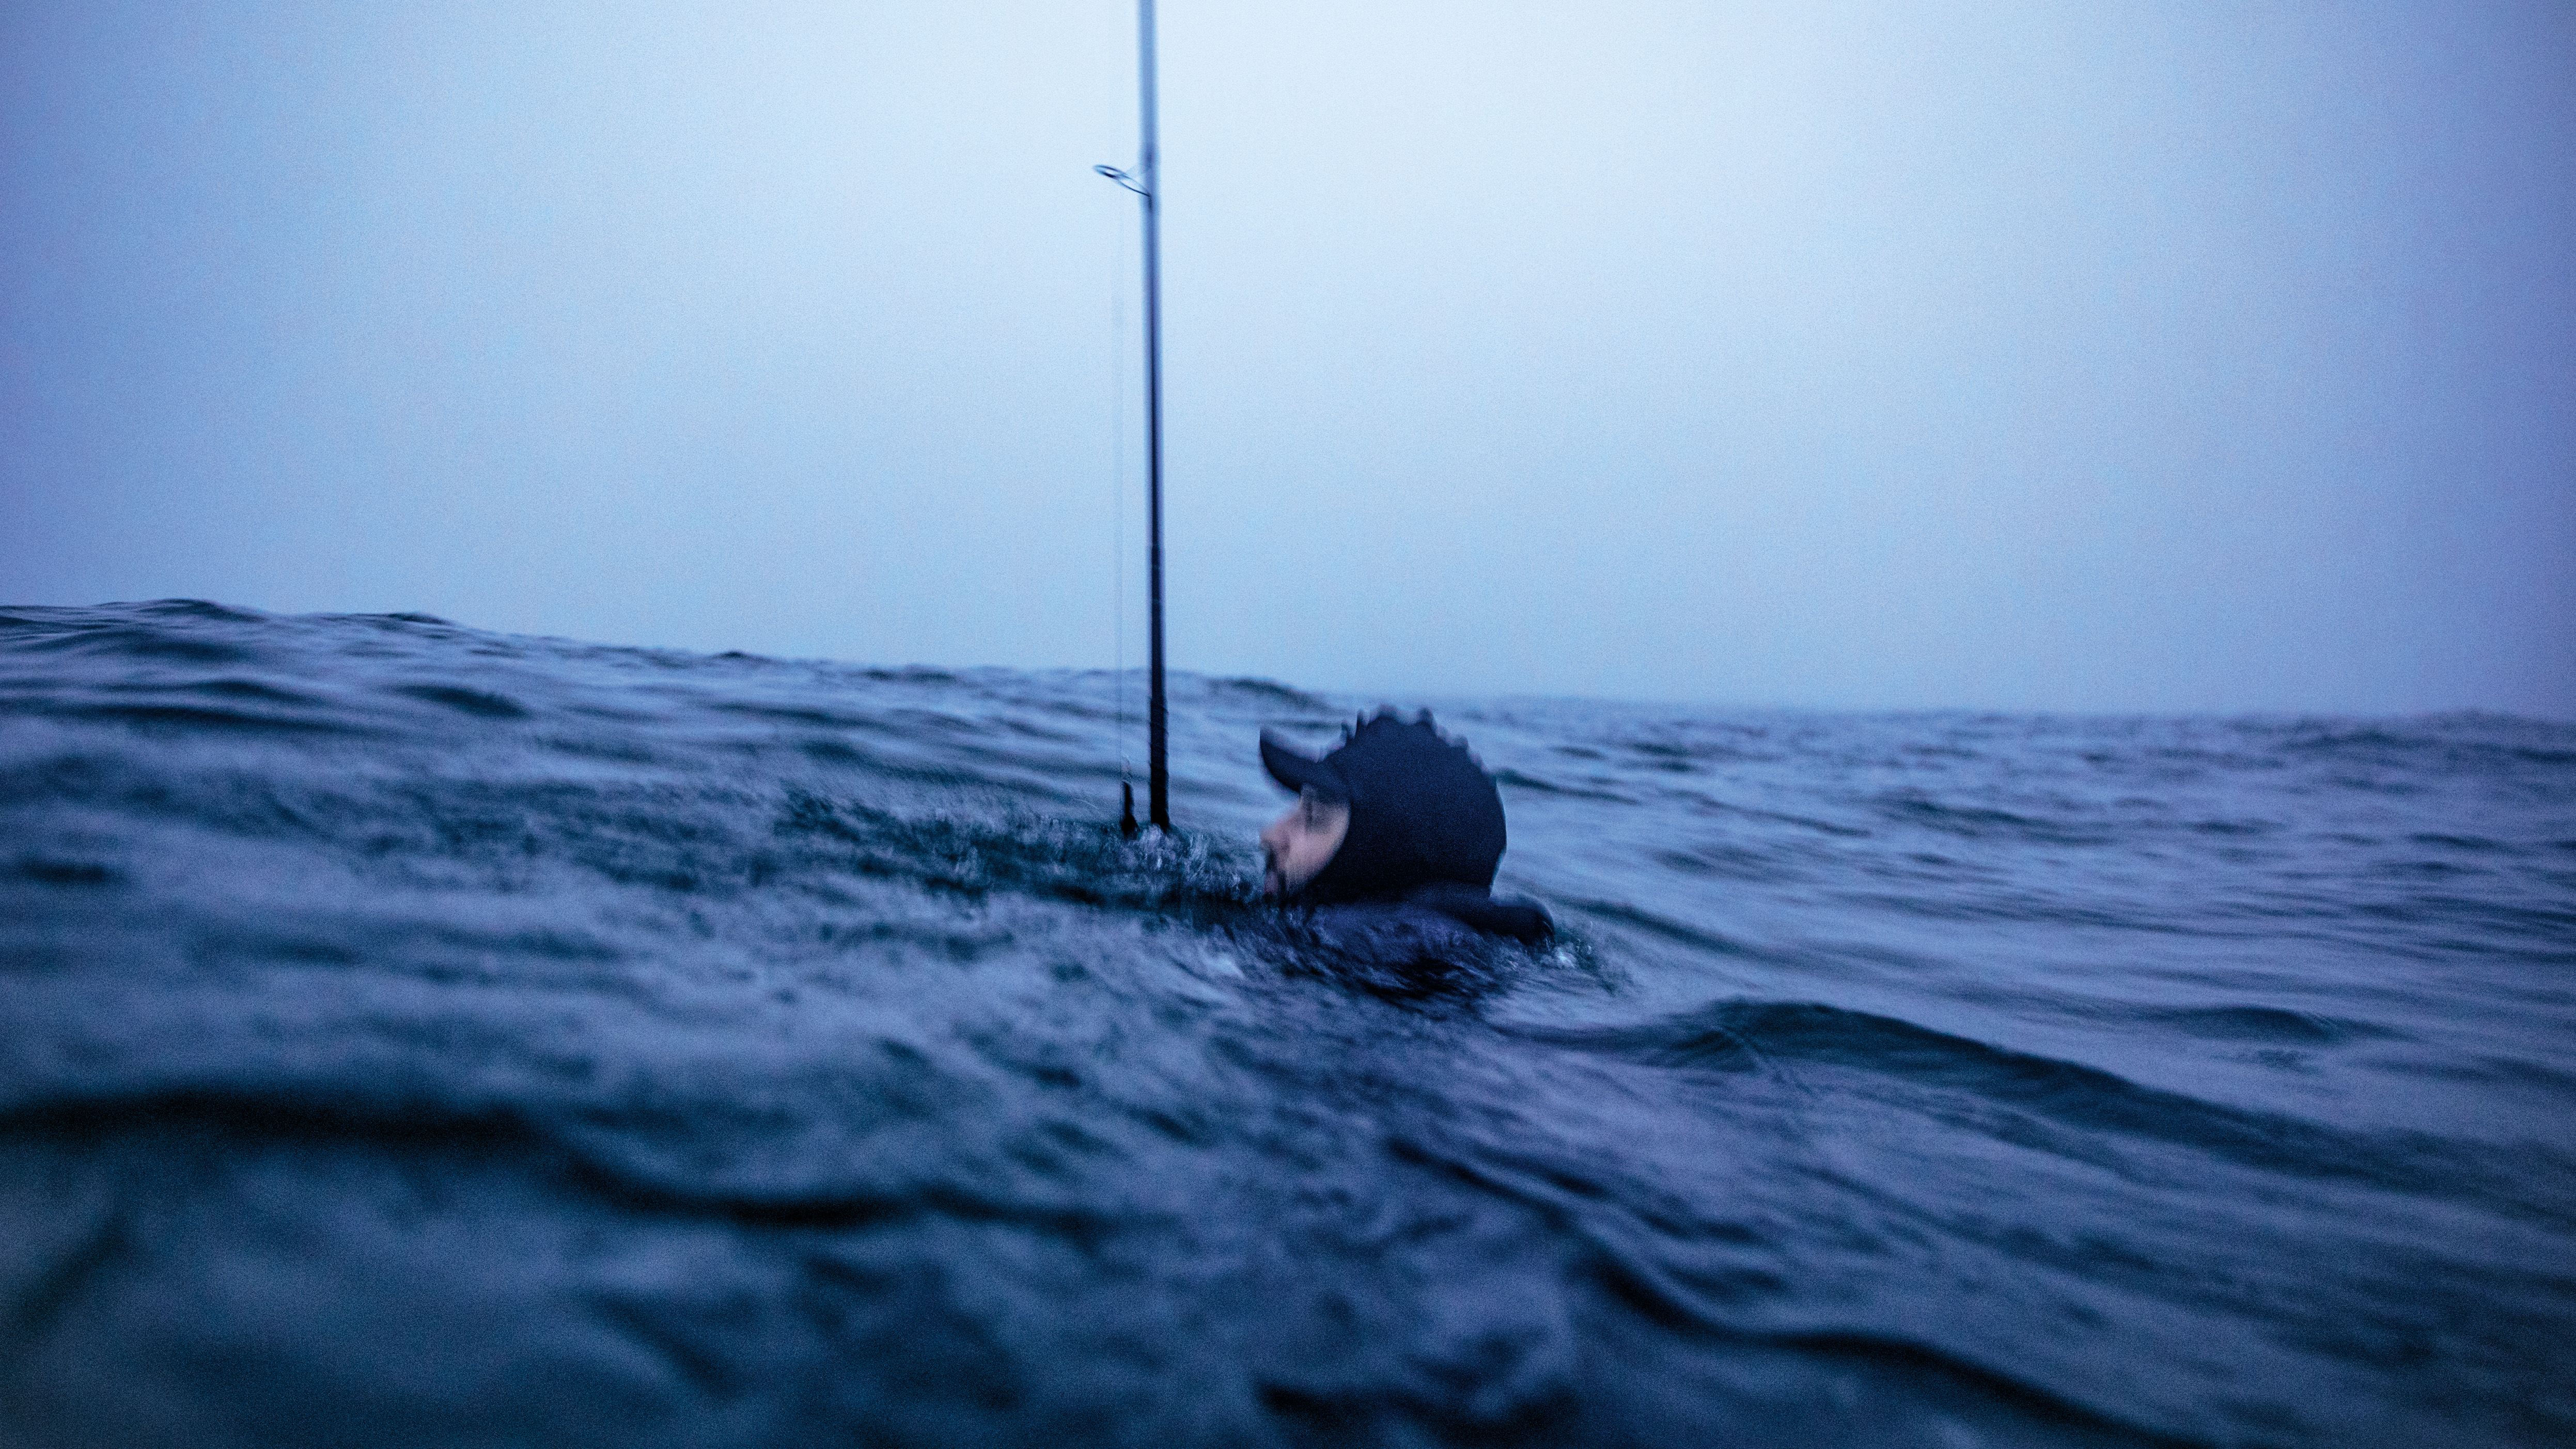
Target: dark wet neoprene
(1426, 825)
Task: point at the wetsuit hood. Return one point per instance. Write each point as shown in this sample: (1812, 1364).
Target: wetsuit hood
(1422, 810)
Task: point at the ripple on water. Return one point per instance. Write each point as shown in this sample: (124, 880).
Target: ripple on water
(626, 1045)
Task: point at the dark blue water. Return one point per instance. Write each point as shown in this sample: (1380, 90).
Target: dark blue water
(416, 1035)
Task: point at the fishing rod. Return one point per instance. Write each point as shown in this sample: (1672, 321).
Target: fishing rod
(1142, 182)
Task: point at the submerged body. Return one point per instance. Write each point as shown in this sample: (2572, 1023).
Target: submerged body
(1440, 941)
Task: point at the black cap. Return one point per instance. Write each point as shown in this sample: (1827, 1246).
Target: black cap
(1298, 773)
(1422, 809)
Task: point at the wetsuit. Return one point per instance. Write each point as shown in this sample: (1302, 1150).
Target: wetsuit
(1409, 891)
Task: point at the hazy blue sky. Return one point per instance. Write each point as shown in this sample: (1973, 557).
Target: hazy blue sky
(2078, 356)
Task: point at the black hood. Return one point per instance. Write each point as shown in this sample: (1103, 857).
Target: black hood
(1422, 810)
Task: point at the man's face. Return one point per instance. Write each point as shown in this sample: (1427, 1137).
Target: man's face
(1297, 846)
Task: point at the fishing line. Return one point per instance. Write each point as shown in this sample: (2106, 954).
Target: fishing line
(1118, 490)
(1141, 182)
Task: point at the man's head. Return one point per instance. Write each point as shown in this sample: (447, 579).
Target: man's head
(1397, 806)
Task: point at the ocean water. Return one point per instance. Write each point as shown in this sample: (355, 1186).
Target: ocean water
(417, 1035)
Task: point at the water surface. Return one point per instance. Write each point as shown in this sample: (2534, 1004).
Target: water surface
(416, 1035)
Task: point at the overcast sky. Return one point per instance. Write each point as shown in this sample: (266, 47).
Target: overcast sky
(2064, 356)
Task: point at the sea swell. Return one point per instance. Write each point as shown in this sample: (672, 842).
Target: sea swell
(420, 1035)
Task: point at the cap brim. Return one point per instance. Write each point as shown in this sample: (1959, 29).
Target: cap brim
(1298, 774)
